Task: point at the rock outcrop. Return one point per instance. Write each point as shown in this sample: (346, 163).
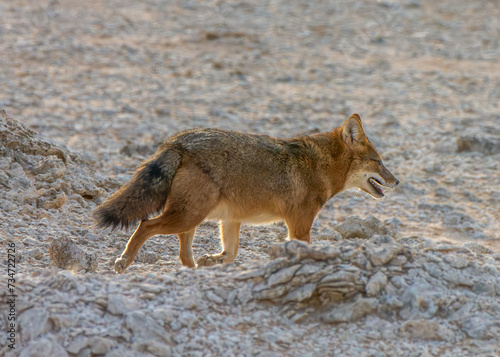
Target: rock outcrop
(35, 172)
(409, 289)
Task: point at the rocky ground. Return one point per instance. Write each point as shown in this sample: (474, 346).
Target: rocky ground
(90, 89)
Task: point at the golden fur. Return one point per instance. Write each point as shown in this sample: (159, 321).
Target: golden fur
(233, 177)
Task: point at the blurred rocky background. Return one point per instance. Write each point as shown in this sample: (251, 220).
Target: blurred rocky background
(90, 89)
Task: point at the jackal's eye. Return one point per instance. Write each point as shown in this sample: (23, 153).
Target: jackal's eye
(377, 161)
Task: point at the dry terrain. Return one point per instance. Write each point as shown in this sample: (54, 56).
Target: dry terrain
(90, 89)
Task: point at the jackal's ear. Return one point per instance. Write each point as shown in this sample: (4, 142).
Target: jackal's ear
(352, 130)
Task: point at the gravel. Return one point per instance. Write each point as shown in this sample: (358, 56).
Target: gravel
(91, 89)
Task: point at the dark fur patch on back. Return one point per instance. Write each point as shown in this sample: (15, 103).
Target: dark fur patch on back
(154, 170)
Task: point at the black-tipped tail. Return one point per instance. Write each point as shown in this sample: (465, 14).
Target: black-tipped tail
(145, 194)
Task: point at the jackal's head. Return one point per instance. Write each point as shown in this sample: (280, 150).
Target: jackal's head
(366, 171)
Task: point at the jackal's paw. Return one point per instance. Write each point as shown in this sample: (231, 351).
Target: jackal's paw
(120, 265)
(209, 260)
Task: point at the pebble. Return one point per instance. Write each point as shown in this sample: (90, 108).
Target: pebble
(426, 330)
(34, 322)
(42, 348)
(145, 327)
(355, 227)
(376, 284)
(101, 346)
(78, 344)
(66, 254)
(485, 144)
(213, 297)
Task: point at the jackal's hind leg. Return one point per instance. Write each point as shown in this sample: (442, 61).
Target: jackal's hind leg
(230, 236)
(185, 209)
(186, 251)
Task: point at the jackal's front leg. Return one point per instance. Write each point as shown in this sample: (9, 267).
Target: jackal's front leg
(300, 227)
(230, 236)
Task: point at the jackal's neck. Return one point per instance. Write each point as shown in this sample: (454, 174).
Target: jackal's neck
(339, 161)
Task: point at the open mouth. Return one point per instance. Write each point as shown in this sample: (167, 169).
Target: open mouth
(377, 185)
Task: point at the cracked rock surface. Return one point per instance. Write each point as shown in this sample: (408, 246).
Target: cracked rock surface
(90, 89)
(428, 296)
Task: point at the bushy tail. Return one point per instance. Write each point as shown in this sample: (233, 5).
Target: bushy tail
(145, 194)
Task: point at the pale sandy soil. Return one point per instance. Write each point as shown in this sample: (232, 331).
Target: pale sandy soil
(104, 79)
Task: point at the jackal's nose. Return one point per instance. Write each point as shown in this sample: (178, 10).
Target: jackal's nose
(397, 182)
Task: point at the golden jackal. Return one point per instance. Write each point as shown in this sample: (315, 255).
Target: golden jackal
(218, 174)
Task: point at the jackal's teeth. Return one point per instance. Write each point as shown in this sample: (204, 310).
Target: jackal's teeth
(376, 185)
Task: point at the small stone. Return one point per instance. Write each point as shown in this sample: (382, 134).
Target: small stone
(271, 294)
(51, 199)
(382, 249)
(463, 224)
(479, 326)
(137, 149)
(188, 318)
(412, 241)
(33, 323)
(124, 352)
(167, 314)
(190, 302)
(343, 273)
(86, 352)
(244, 295)
(394, 225)
(376, 284)
(351, 228)
(308, 269)
(420, 300)
(77, 344)
(302, 293)
(295, 247)
(425, 330)
(457, 261)
(322, 253)
(282, 276)
(101, 345)
(144, 326)
(360, 261)
(332, 236)
(471, 197)
(159, 349)
(66, 254)
(352, 311)
(121, 305)
(63, 320)
(213, 297)
(245, 275)
(231, 297)
(147, 257)
(485, 144)
(35, 253)
(442, 192)
(42, 348)
(355, 227)
(275, 265)
(434, 270)
(276, 251)
(477, 248)
(116, 304)
(7, 205)
(398, 260)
